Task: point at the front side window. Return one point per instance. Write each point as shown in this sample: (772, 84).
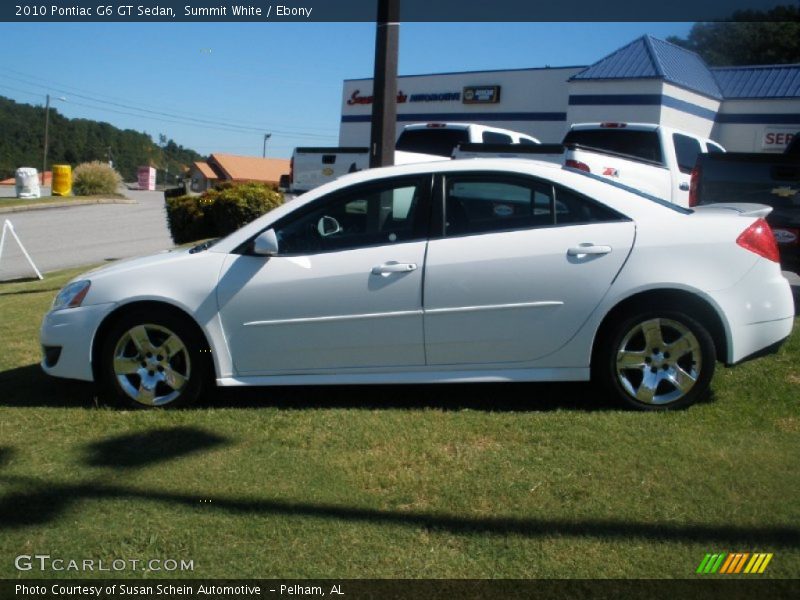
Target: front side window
(370, 215)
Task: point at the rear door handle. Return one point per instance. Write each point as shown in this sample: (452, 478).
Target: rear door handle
(684, 186)
(584, 249)
(390, 267)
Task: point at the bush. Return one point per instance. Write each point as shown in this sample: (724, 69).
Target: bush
(187, 220)
(95, 178)
(220, 211)
(234, 205)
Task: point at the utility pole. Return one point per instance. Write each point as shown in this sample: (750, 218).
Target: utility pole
(46, 131)
(266, 137)
(384, 92)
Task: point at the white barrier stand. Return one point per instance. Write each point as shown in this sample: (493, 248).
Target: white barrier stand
(7, 226)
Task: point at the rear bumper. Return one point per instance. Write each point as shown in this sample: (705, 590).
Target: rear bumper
(759, 311)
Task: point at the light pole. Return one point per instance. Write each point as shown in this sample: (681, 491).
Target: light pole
(46, 128)
(266, 137)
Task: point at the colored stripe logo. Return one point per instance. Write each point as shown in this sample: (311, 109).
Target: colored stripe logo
(733, 563)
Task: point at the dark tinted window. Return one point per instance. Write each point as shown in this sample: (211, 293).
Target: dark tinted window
(477, 204)
(686, 151)
(434, 140)
(712, 148)
(527, 142)
(573, 209)
(640, 144)
(492, 137)
(378, 214)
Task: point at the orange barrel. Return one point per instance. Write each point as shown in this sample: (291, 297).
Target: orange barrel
(62, 180)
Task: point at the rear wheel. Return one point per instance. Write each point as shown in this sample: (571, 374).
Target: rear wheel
(152, 358)
(656, 360)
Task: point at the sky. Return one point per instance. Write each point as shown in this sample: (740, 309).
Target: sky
(219, 87)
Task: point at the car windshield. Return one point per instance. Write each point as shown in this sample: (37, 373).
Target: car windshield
(640, 193)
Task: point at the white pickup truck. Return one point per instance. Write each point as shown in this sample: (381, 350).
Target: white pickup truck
(651, 158)
(420, 142)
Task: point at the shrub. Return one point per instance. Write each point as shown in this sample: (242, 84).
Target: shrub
(220, 211)
(234, 205)
(95, 178)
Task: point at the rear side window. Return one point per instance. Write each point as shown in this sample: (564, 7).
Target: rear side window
(492, 137)
(436, 140)
(643, 145)
(713, 148)
(527, 142)
(686, 151)
(487, 203)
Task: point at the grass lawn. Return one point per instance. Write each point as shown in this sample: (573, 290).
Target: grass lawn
(497, 481)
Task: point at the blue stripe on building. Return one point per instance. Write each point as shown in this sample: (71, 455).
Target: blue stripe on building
(759, 119)
(471, 116)
(641, 100)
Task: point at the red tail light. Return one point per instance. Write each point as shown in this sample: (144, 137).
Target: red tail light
(608, 125)
(694, 184)
(576, 164)
(758, 238)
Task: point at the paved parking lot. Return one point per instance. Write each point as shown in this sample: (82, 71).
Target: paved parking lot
(58, 238)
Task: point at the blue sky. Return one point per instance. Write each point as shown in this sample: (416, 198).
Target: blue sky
(218, 87)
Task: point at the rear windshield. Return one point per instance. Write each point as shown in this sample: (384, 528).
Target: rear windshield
(640, 144)
(437, 141)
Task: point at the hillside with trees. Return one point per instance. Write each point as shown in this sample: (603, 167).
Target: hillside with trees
(74, 141)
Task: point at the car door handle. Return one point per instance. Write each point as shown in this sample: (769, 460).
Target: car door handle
(588, 249)
(390, 267)
(684, 186)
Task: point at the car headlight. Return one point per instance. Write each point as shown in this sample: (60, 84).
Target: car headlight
(72, 295)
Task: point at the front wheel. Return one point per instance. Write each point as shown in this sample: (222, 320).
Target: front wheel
(656, 360)
(151, 359)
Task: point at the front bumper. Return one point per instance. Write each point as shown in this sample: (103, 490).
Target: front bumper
(71, 330)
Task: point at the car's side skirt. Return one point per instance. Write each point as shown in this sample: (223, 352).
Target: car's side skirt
(400, 377)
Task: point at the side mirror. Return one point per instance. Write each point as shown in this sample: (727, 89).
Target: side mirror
(266, 244)
(328, 226)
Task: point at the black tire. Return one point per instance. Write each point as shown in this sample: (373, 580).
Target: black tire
(152, 358)
(655, 360)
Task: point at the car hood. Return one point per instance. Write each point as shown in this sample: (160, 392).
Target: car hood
(138, 262)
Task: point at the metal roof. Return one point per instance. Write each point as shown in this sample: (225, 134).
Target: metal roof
(767, 81)
(650, 58)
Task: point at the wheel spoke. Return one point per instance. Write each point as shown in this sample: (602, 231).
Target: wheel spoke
(652, 334)
(171, 346)
(681, 379)
(173, 379)
(141, 339)
(647, 389)
(126, 365)
(682, 346)
(630, 359)
(146, 395)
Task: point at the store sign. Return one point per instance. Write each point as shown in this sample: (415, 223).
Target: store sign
(356, 97)
(482, 94)
(777, 138)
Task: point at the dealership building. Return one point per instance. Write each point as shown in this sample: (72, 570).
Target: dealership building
(746, 109)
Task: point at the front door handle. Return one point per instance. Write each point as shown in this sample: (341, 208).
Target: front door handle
(584, 249)
(390, 267)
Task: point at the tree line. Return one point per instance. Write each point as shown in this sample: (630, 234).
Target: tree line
(74, 141)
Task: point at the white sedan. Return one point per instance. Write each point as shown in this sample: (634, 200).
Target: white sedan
(470, 270)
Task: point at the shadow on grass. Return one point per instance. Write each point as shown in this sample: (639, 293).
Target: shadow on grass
(150, 447)
(29, 386)
(47, 503)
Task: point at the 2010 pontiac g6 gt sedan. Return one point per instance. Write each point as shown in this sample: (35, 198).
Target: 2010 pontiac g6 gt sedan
(468, 270)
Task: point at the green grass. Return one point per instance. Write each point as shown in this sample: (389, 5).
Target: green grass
(511, 481)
